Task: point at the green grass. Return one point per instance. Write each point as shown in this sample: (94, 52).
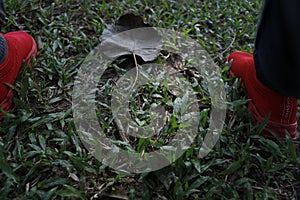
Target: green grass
(41, 155)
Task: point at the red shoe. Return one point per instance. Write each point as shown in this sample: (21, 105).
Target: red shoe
(21, 47)
(283, 110)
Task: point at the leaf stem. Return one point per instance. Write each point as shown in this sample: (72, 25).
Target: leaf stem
(137, 73)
